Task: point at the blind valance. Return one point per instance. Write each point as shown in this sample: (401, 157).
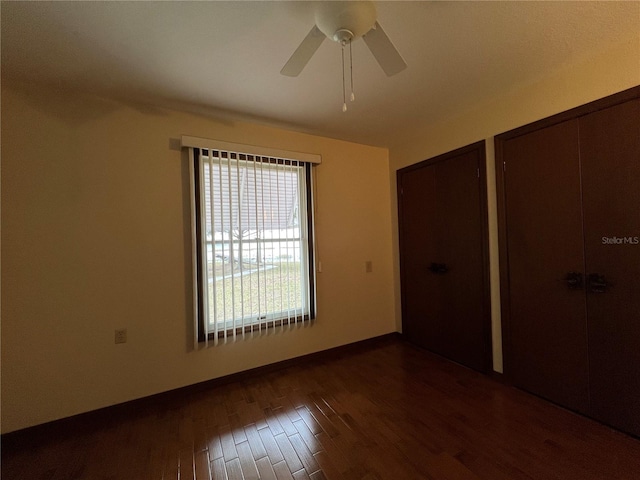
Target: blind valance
(209, 144)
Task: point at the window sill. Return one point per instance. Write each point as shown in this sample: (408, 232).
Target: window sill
(257, 327)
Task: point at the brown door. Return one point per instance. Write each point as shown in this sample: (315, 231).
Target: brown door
(418, 217)
(443, 254)
(546, 342)
(610, 157)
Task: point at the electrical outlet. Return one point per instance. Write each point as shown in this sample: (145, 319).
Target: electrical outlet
(368, 266)
(121, 335)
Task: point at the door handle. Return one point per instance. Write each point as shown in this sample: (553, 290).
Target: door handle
(597, 283)
(574, 280)
(438, 268)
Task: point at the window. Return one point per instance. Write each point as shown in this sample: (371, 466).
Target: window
(254, 252)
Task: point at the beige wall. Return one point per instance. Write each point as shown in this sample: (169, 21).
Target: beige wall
(95, 236)
(604, 73)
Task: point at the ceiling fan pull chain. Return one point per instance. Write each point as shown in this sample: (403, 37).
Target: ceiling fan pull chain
(344, 94)
(353, 96)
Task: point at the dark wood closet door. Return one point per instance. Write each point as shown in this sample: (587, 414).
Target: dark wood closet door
(459, 247)
(422, 303)
(547, 337)
(442, 259)
(610, 156)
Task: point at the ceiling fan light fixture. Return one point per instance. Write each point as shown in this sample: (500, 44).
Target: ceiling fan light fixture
(344, 22)
(357, 16)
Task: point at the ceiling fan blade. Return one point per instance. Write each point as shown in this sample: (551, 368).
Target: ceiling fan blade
(384, 51)
(303, 53)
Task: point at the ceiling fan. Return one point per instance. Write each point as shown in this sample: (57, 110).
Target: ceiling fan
(344, 22)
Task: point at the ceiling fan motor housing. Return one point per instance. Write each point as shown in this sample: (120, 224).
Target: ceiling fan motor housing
(345, 21)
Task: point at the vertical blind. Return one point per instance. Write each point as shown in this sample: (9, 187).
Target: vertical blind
(255, 255)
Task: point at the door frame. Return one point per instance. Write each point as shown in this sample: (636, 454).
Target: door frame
(480, 149)
(503, 253)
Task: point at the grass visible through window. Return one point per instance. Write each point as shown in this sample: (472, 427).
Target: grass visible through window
(265, 289)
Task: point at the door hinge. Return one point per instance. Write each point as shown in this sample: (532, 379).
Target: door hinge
(478, 172)
(504, 166)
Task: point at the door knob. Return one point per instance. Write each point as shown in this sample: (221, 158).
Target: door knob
(574, 280)
(438, 268)
(597, 283)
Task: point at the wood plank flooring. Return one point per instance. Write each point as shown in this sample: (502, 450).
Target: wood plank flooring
(390, 411)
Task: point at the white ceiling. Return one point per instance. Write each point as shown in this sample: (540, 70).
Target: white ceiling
(224, 58)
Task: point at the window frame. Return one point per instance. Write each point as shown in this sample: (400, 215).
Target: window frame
(199, 242)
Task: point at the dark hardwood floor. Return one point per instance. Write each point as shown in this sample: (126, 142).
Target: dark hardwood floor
(388, 411)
